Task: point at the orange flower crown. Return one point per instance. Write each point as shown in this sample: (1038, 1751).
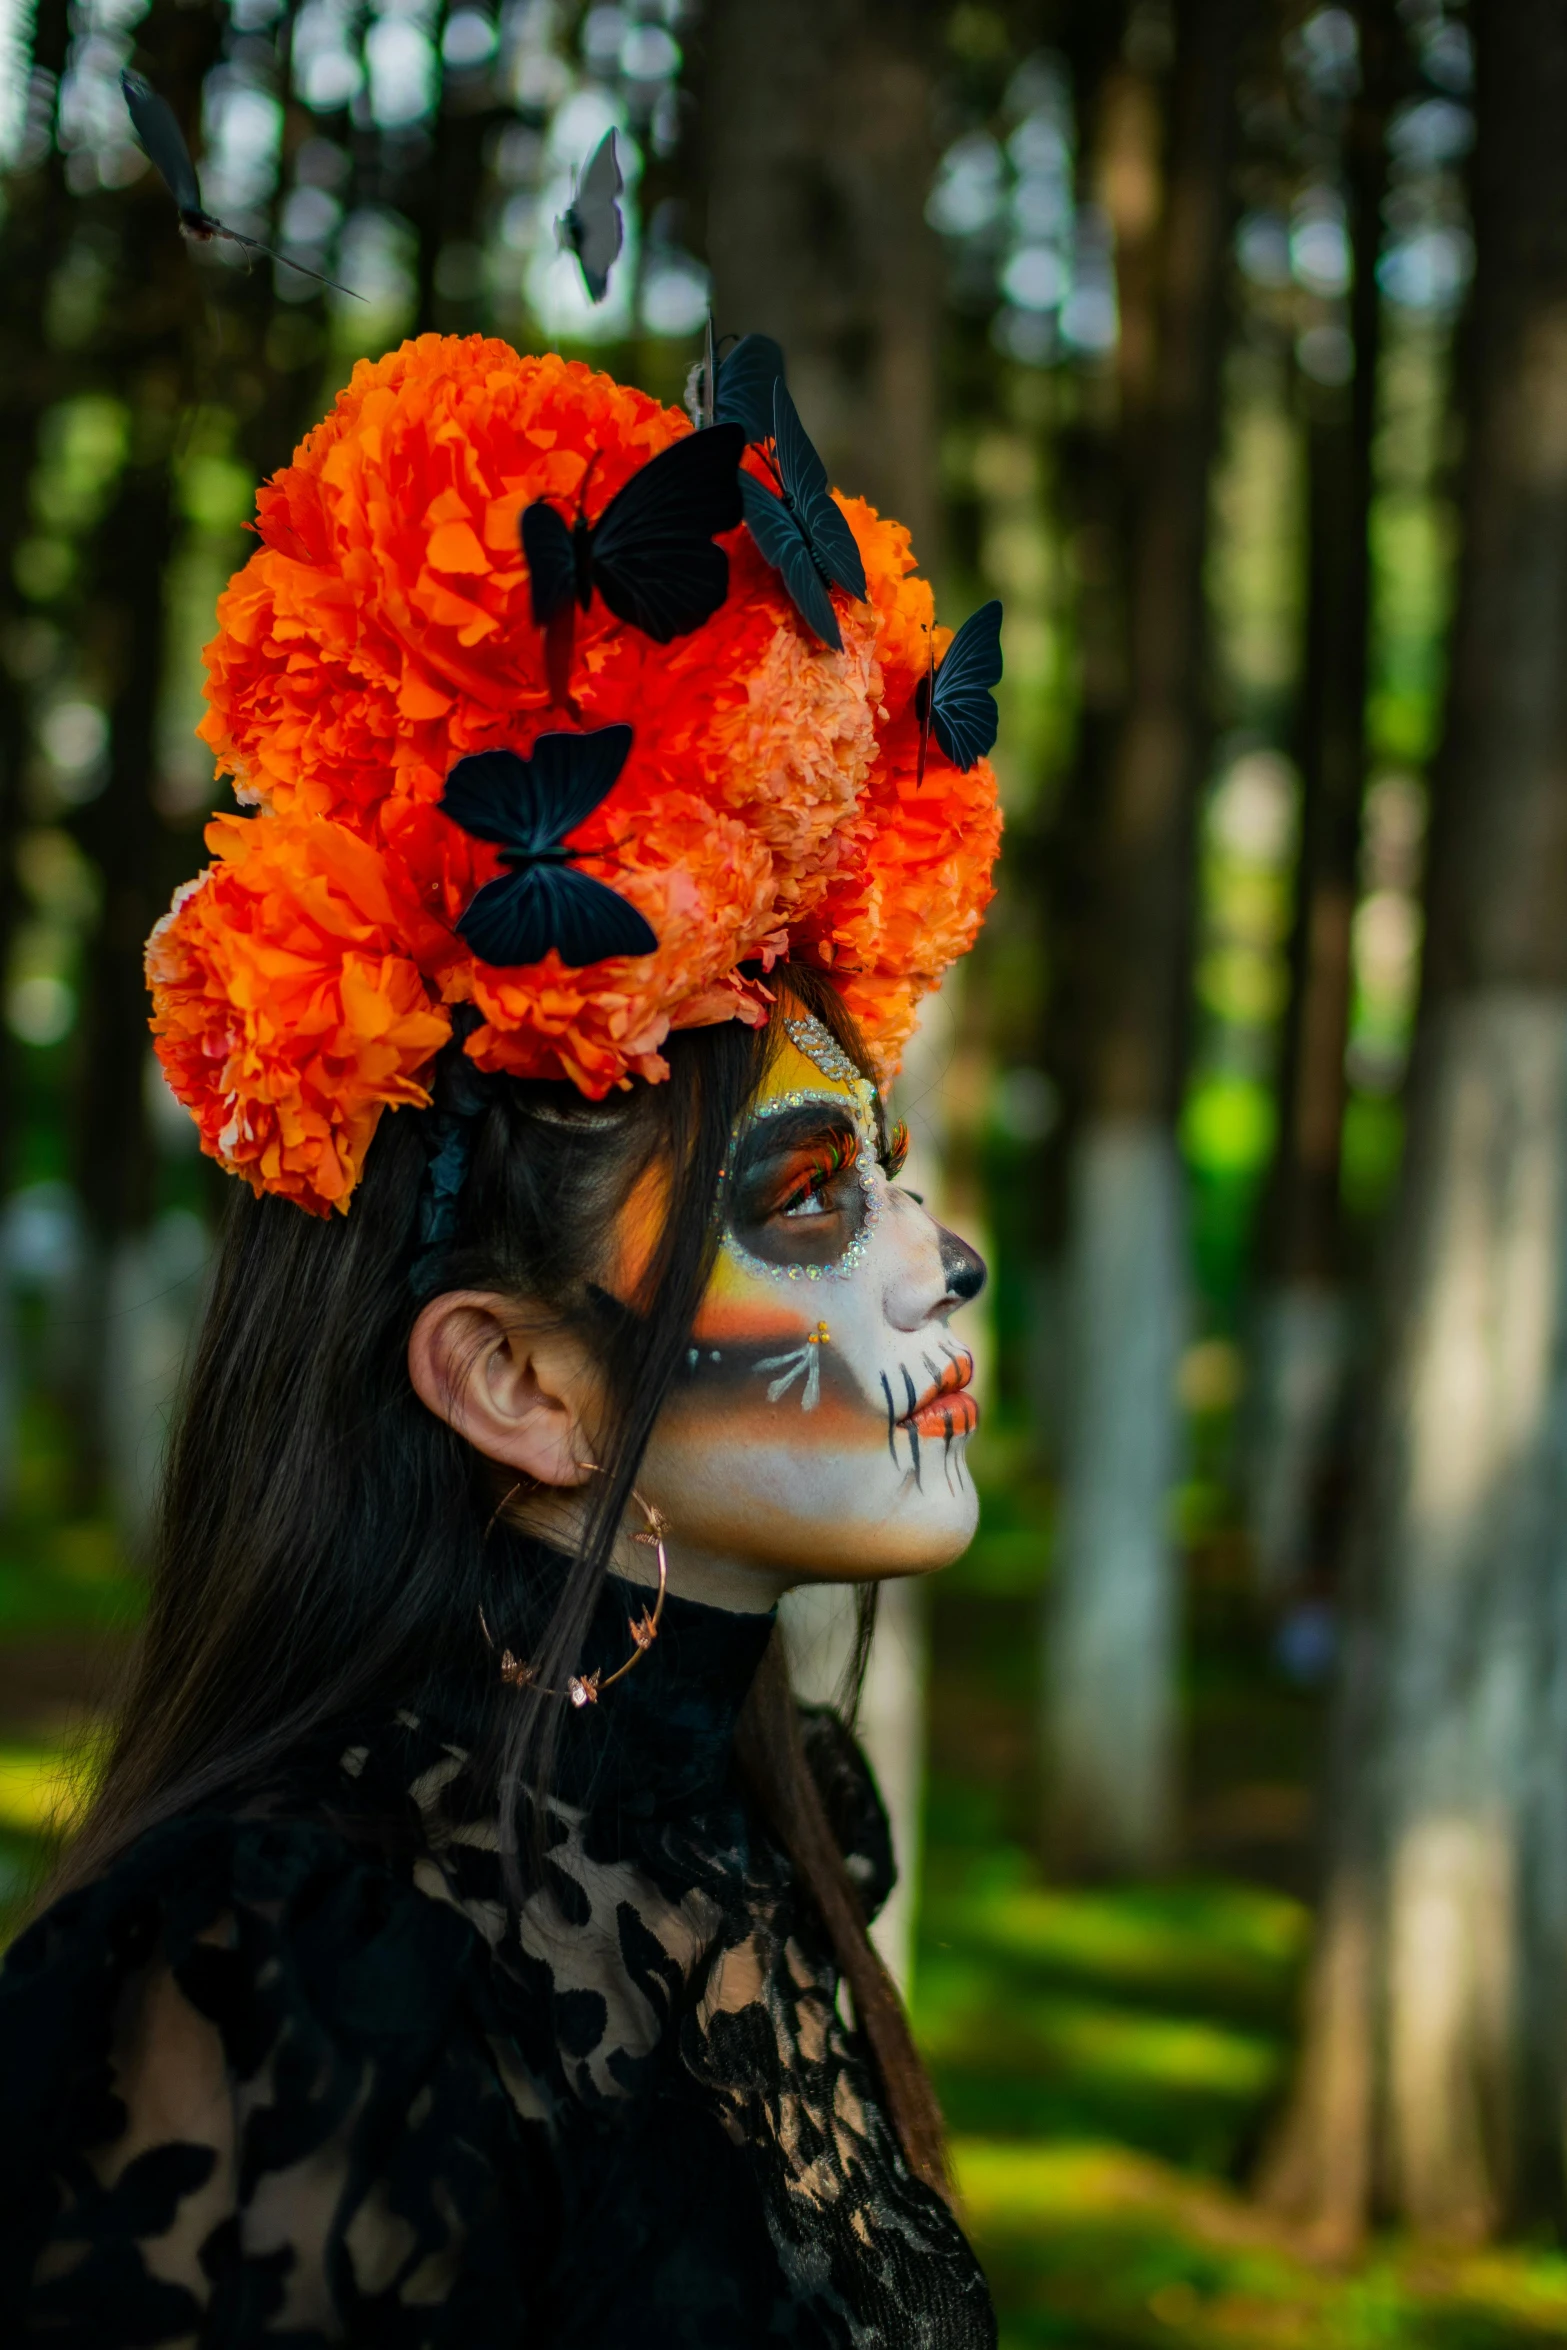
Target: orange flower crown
(768, 809)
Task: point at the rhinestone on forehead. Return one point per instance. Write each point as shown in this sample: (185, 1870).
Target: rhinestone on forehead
(841, 1267)
(809, 1036)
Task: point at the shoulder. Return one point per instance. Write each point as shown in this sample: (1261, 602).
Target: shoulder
(852, 1802)
(238, 2020)
(224, 1901)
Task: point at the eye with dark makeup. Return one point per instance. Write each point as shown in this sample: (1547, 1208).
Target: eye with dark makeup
(797, 1197)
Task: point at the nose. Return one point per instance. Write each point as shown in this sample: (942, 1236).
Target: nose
(962, 1267)
(930, 1271)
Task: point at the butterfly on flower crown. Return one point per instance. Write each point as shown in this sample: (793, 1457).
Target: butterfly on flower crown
(650, 556)
(526, 806)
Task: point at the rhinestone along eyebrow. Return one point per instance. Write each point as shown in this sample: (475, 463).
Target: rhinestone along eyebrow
(840, 1267)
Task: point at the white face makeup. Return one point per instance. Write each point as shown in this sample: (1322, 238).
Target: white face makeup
(821, 1428)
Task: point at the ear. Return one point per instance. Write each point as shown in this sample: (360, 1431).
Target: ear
(522, 1396)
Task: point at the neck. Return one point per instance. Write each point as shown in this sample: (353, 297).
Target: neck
(707, 1577)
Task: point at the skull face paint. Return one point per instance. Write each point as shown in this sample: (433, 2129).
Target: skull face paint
(820, 1429)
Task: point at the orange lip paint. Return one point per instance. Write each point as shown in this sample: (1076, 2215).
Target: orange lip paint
(947, 1409)
(945, 1415)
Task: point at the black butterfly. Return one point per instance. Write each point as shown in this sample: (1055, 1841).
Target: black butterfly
(591, 226)
(955, 702)
(737, 389)
(154, 123)
(527, 807)
(802, 533)
(650, 554)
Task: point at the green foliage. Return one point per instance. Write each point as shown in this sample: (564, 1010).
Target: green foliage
(60, 1572)
(1109, 2058)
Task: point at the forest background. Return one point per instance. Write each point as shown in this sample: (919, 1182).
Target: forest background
(1226, 340)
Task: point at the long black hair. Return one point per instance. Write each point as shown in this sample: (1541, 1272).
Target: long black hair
(325, 1543)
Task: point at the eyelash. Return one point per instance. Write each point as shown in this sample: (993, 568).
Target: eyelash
(844, 1156)
(841, 1156)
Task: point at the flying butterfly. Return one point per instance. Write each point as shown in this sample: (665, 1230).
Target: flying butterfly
(591, 226)
(650, 554)
(801, 531)
(738, 387)
(955, 702)
(154, 122)
(526, 806)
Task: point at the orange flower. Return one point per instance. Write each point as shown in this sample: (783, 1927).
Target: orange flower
(286, 1018)
(384, 629)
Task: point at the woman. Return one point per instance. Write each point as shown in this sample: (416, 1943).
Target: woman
(452, 1951)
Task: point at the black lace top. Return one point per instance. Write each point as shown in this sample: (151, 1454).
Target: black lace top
(264, 2084)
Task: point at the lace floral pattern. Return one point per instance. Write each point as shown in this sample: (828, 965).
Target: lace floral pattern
(265, 2085)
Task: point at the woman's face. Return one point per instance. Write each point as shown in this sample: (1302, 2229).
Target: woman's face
(821, 1427)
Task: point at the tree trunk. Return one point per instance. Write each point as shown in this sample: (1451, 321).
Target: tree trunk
(1111, 1631)
(1434, 2076)
(1303, 1320)
(122, 832)
(37, 223)
(819, 151)
(1102, 439)
(142, 350)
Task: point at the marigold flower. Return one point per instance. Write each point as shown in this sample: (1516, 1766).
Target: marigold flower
(287, 1015)
(384, 629)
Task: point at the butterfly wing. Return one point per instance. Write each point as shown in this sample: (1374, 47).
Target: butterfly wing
(589, 920)
(592, 225)
(509, 921)
(153, 120)
(552, 575)
(491, 794)
(654, 561)
(529, 805)
(745, 385)
(520, 917)
(804, 479)
(962, 707)
(781, 541)
(570, 774)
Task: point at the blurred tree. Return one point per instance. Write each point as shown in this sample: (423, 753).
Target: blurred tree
(1303, 1315)
(141, 348)
(32, 237)
(1111, 1644)
(1118, 67)
(819, 150)
(1434, 2078)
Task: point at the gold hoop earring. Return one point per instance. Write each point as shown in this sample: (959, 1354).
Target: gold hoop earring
(584, 1689)
(499, 1510)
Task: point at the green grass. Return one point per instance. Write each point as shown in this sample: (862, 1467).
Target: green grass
(1109, 2059)
(1092, 2245)
(1158, 2017)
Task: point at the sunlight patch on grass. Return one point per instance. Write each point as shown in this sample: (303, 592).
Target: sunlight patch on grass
(1156, 2015)
(1216, 1938)
(1088, 2044)
(1093, 2245)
